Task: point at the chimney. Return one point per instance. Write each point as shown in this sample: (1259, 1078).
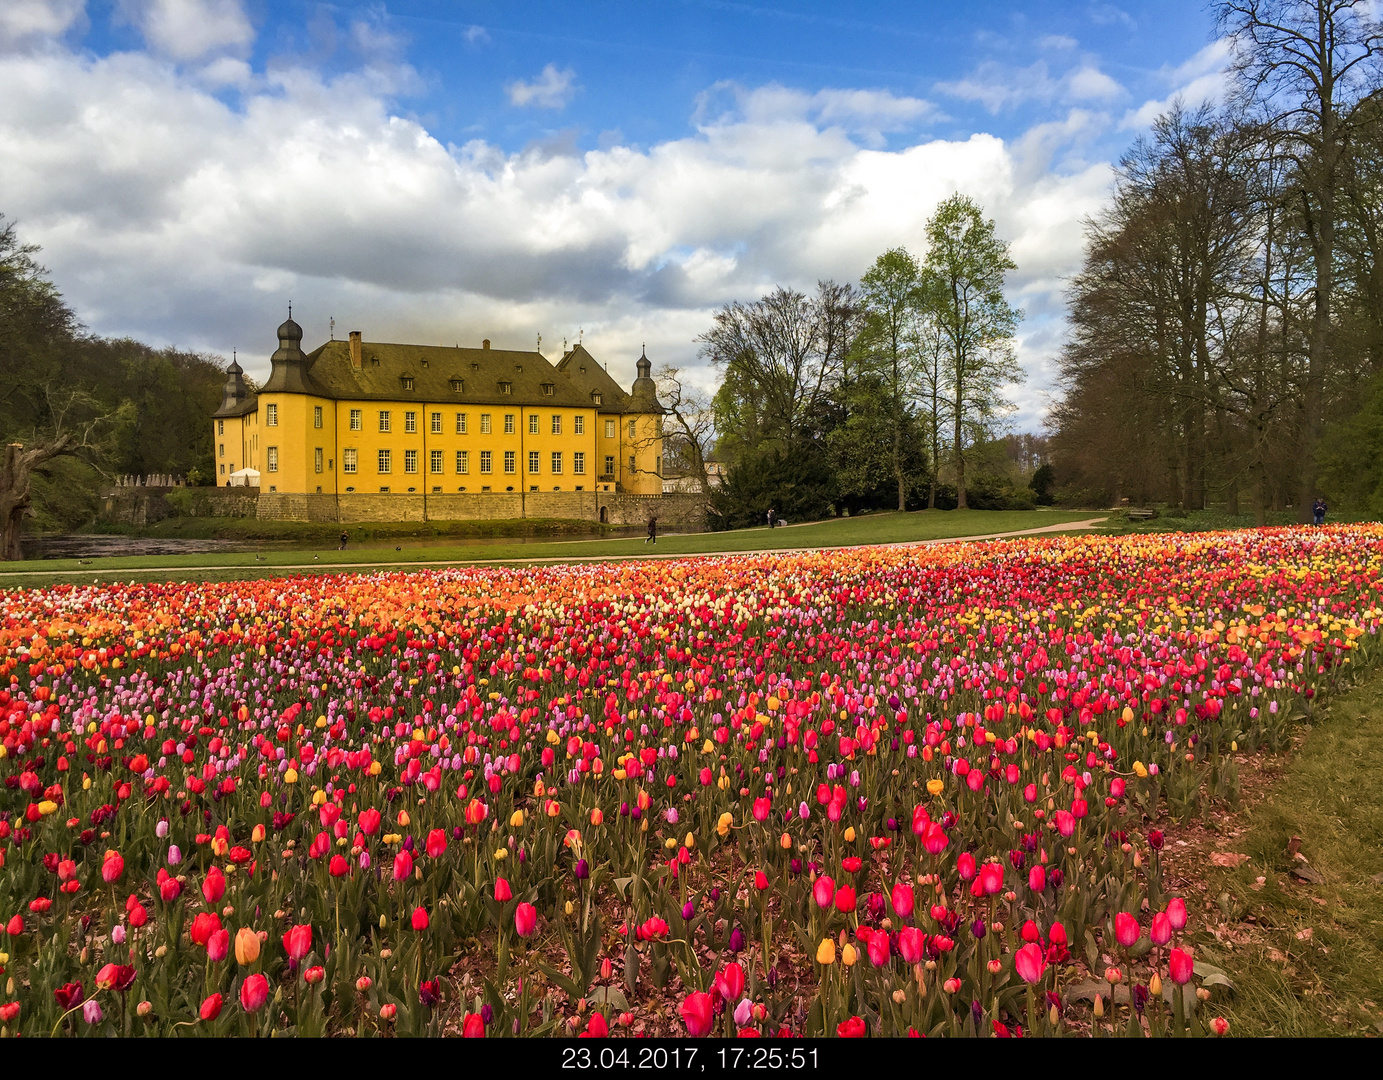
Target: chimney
(356, 361)
(485, 344)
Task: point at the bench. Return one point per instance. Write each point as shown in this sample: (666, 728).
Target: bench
(1141, 515)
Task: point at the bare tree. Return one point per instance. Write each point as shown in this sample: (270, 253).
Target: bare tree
(1306, 65)
(688, 425)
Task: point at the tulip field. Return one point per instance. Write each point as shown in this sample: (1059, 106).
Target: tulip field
(875, 791)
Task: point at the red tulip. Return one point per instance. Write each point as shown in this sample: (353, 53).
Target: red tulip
(203, 926)
(338, 866)
(845, 899)
(473, 1027)
(369, 821)
(525, 919)
(315, 974)
(1176, 913)
(436, 843)
(991, 878)
(823, 889)
(420, 920)
(1037, 877)
(902, 900)
(297, 942)
(1030, 963)
(1126, 929)
(214, 887)
(851, 1029)
(596, 1027)
(254, 992)
(15, 926)
(169, 887)
(115, 977)
(698, 1014)
(935, 839)
(211, 1007)
(1180, 966)
(911, 942)
(218, 946)
(403, 866)
(878, 949)
(112, 867)
(730, 982)
(1065, 823)
(965, 866)
(1161, 931)
(502, 891)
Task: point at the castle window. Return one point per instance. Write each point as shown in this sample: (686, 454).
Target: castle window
(223, 451)
(509, 463)
(407, 382)
(506, 388)
(547, 389)
(484, 423)
(578, 463)
(349, 457)
(609, 464)
(475, 366)
(272, 458)
(461, 422)
(556, 462)
(223, 470)
(556, 424)
(632, 467)
(410, 461)
(631, 428)
(485, 459)
(509, 423)
(463, 461)
(533, 461)
(316, 416)
(410, 423)
(457, 386)
(436, 423)
(357, 420)
(220, 427)
(386, 461)
(271, 416)
(597, 397)
(317, 459)
(532, 423)
(435, 458)
(609, 429)
(578, 425)
(383, 419)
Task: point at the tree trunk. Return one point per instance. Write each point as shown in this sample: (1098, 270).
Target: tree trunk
(16, 495)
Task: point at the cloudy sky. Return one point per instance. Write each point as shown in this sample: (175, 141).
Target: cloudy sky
(445, 171)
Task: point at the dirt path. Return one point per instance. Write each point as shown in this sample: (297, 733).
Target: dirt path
(1068, 526)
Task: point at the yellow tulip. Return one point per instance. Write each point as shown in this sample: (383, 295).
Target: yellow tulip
(724, 824)
(848, 955)
(850, 835)
(516, 819)
(246, 946)
(936, 786)
(826, 952)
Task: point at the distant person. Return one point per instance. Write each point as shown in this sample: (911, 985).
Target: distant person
(1318, 509)
(770, 517)
(344, 538)
(652, 531)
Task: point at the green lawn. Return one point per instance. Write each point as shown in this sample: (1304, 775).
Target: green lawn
(1306, 957)
(883, 528)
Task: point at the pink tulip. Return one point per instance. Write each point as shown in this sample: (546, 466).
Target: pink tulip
(698, 1014)
(1126, 929)
(1030, 962)
(525, 919)
(902, 900)
(1176, 913)
(1180, 966)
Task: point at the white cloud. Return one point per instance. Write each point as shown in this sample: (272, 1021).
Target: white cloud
(1204, 77)
(866, 114)
(190, 29)
(552, 89)
(477, 35)
(999, 86)
(26, 20)
(166, 214)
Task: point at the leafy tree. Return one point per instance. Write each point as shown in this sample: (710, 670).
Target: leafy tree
(963, 283)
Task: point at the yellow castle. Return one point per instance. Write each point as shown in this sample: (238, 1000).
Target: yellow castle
(368, 431)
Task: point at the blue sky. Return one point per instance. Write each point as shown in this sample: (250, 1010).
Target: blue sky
(450, 171)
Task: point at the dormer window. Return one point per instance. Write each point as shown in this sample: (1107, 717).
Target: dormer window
(583, 369)
(475, 366)
(597, 397)
(457, 385)
(407, 381)
(506, 388)
(374, 360)
(547, 389)
(518, 367)
(423, 362)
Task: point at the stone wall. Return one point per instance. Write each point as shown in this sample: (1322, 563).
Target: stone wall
(675, 513)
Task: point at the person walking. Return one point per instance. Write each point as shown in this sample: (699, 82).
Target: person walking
(1318, 509)
(770, 517)
(652, 531)
(344, 538)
